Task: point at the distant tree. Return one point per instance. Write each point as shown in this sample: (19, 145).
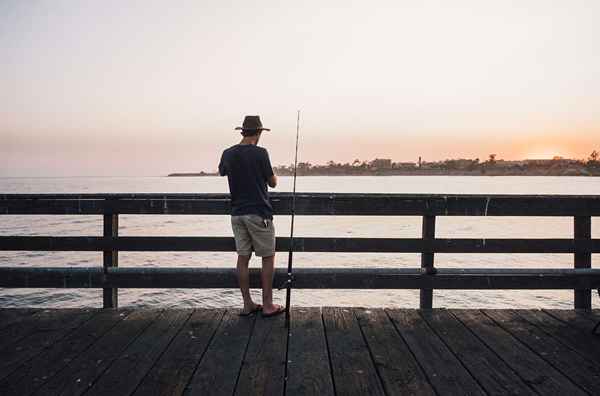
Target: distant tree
(492, 159)
(594, 159)
(356, 162)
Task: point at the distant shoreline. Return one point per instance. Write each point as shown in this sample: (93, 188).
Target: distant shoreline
(421, 173)
(557, 166)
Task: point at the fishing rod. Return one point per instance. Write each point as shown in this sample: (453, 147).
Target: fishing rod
(288, 285)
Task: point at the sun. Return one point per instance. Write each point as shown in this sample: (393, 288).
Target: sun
(545, 153)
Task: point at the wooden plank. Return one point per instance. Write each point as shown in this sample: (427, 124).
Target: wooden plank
(304, 278)
(353, 369)
(33, 323)
(535, 371)
(263, 369)
(571, 329)
(81, 373)
(582, 230)
(110, 296)
(34, 373)
(301, 244)
(174, 369)
(308, 371)
(132, 365)
(493, 374)
(46, 334)
(9, 316)
(428, 234)
(399, 371)
(219, 368)
(583, 372)
(444, 371)
(310, 204)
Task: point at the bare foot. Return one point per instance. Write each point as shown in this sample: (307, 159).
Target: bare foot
(251, 309)
(272, 309)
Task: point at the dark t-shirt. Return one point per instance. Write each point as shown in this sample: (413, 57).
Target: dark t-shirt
(248, 168)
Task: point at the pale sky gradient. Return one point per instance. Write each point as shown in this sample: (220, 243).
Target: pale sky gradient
(153, 87)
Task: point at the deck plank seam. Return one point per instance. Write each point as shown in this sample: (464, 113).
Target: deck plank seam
(5, 325)
(423, 371)
(496, 353)
(163, 351)
(243, 361)
(133, 339)
(434, 331)
(572, 348)
(370, 352)
(69, 332)
(328, 351)
(592, 322)
(208, 344)
(535, 352)
(42, 383)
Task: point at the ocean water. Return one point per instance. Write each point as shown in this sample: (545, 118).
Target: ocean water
(324, 226)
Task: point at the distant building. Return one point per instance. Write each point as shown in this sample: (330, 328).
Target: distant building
(381, 163)
(404, 165)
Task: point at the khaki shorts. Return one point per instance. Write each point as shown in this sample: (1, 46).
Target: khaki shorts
(253, 232)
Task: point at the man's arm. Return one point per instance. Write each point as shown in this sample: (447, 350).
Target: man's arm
(268, 171)
(222, 168)
(272, 181)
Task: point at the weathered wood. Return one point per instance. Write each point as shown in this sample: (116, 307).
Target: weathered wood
(571, 329)
(493, 374)
(308, 371)
(208, 352)
(173, 370)
(219, 368)
(34, 323)
(428, 234)
(126, 372)
(304, 278)
(81, 373)
(44, 336)
(535, 371)
(352, 368)
(308, 204)
(263, 369)
(9, 316)
(444, 371)
(584, 373)
(110, 296)
(399, 371)
(578, 318)
(34, 373)
(301, 244)
(582, 227)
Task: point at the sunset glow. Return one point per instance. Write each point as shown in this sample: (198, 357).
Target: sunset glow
(160, 87)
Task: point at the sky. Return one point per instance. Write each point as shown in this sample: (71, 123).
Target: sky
(143, 88)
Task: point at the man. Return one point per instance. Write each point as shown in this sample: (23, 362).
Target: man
(249, 171)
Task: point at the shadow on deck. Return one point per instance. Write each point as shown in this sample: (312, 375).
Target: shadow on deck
(330, 350)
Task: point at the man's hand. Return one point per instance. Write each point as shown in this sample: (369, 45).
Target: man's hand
(272, 182)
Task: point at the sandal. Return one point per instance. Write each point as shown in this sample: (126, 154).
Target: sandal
(255, 310)
(279, 311)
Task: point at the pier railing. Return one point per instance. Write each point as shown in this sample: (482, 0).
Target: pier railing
(581, 278)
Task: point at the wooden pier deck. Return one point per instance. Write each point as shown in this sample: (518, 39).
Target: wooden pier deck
(330, 351)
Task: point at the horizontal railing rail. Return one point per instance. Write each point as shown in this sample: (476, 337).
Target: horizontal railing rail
(581, 278)
(309, 204)
(301, 244)
(304, 278)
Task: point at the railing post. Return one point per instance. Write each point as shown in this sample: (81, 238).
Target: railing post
(111, 259)
(582, 230)
(428, 233)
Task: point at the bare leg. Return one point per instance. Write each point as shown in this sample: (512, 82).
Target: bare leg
(266, 278)
(244, 281)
